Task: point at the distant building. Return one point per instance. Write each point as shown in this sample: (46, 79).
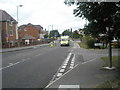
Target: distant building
(8, 30)
(30, 33)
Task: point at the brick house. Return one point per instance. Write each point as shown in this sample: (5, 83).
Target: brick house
(8, 29)
(30, 34)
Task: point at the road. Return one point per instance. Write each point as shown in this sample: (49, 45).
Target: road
(32, 68)
(39, 66)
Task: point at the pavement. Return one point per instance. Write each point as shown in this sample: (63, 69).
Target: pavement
(21, 48)
(86, 74)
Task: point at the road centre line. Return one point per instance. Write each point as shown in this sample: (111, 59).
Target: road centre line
(12, 64)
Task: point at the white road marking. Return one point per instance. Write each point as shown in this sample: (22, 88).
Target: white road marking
(59, 74)
(72, 62)
(70, 87)
(68, 72)
(62, 70)
(12, 64)
(63, 66)
(16, 63)
(71, 67)
(89, 61)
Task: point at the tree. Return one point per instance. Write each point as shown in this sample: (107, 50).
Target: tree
(66, 32)
(54, 33)
(104, 18)
(100, 16)
(75, 34)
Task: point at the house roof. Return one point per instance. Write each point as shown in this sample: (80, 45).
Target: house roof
(4, 16)
(28, 37)
(38, 27)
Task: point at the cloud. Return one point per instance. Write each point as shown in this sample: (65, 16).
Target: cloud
(44, 12)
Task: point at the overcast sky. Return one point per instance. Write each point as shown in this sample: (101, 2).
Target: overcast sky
(44, 13)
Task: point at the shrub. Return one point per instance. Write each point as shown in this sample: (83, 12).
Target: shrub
(90, 42)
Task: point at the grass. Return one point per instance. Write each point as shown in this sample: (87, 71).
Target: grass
(109, 84)
(114, 83)
(83, 45)
(115, 61)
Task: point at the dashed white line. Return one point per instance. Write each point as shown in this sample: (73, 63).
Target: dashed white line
(62, 70)
(12, 64)
(59, 74)
(72, 62)
(63, 66)
(16, 63)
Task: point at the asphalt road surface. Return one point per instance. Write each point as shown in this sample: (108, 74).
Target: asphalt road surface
(32, 68)
(37, 67)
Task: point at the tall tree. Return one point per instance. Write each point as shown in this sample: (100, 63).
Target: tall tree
(66, 32)
(104, 18)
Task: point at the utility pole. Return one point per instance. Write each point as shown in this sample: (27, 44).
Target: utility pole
(17, 33)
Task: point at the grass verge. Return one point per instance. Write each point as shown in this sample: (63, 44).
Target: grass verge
(109, 84)
(115, 61)
(83, 45)
(114, 83)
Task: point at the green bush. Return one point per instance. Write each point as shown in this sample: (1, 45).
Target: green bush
(116, 45)
(90, 42)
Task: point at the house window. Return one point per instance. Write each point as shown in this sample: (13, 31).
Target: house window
(11, 32)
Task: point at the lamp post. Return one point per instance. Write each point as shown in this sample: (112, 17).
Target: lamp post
(17, 12)
(17, 34)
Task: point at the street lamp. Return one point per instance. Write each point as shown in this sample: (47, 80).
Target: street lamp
(49, 30)
(17, 36)
(17, 12)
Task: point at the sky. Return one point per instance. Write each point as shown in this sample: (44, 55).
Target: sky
(44, 12)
